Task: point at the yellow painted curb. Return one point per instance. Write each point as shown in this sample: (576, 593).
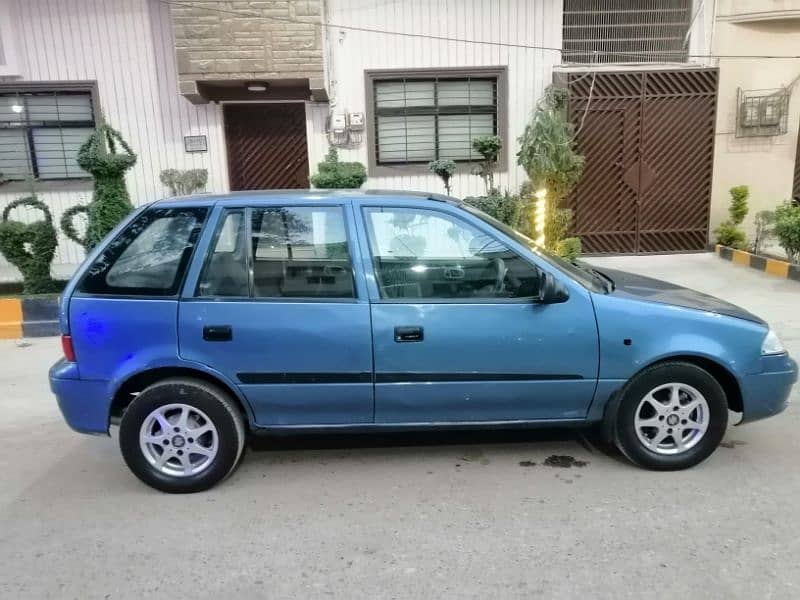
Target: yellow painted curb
(10, 318)
(777, 267)
(740, 257)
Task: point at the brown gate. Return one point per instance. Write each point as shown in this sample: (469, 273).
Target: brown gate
(266, 146)
(648, 139)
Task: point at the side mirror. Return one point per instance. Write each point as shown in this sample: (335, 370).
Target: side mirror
(551, 291)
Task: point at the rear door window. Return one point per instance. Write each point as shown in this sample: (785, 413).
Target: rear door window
(149, 257)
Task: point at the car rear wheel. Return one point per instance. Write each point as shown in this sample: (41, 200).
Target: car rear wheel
(182, 435)
(671, 416)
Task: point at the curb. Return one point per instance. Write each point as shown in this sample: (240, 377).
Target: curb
(771, 266)
(28, 317)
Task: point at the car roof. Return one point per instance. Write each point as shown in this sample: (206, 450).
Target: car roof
(310, 195)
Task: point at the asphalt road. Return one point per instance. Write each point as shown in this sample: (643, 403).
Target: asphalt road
(474, 515)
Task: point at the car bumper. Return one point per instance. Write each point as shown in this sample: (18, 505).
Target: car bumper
(84, 404)
(767, 393)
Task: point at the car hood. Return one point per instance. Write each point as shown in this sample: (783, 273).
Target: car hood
(654, 290)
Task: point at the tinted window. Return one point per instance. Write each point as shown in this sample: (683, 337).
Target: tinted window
(300, 252)
(421, 253)
(149, 257)
(225, 271)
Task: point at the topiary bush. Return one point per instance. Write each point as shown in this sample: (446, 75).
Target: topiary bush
(569, 248)
(728, 232)
(99, 157)
(787, 229)
(68, 223)
(183, 183)
(333, 174)
(30, 246)
(488, 146)
(507, 208)
(444, 169)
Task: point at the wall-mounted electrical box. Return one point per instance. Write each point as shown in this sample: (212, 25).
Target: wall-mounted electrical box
(355, 121)
(338, 123)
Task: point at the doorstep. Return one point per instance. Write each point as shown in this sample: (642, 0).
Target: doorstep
(28, 317)
(771, 266)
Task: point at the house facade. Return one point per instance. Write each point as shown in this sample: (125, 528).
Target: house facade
(256, 93)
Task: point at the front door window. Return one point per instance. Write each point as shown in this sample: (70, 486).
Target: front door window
(427, 254)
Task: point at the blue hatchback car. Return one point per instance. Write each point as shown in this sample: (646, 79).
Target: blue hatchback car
(201, 320)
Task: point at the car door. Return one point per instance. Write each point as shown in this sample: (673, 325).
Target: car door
(273, 303)
(457, 333)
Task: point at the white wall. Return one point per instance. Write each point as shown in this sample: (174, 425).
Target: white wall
(525, 22)
(765, 164)
(126, 46)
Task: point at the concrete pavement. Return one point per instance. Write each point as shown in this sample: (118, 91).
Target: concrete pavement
(408, 516)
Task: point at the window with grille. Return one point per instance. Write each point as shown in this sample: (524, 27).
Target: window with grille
(418, 120)
(610, 31)
(40, 133)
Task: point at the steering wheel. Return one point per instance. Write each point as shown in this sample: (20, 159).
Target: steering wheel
(498, 265)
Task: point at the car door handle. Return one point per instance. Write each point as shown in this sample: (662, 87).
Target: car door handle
(408, 334)
(217, 333)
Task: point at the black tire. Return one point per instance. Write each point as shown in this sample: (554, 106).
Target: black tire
(211, 400)
(639, 386)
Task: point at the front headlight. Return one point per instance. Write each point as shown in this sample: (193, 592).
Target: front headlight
(772, 344)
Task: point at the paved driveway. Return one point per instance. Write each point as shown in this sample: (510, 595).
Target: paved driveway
(455, 516)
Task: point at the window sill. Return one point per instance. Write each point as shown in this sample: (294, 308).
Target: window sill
(400, 169)
(62, 185)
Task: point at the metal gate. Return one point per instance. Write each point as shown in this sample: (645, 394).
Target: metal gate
(266, 146)
(648, 139)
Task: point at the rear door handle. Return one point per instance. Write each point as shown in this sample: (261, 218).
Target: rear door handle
(408, 334)
(217, 333)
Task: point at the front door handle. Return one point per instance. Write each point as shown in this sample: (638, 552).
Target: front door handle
(408, 334)
(217, 333)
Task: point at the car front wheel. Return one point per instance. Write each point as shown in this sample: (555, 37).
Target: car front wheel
(671, 416)
(182, 435)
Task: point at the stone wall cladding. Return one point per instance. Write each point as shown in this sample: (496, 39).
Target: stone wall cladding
(215, 45)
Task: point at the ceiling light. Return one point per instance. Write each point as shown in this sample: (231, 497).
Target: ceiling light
(257, 86)
(17, 108)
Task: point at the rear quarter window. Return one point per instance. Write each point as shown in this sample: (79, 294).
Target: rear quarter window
(149, 257)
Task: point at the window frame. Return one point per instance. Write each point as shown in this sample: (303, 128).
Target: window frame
(27, 87)
(499, 73)
(369, 260)
(193, 282)
(181, 274)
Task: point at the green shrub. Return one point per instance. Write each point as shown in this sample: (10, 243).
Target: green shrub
(110, 204)
(569, 248)
(488, 146)
(787, 229)
(183, 183)
(548, 155)
(444, 169)
(728, 233)
(30, 246)
(507, 208)
(333, 174)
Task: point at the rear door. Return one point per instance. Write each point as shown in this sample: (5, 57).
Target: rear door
(457, 333)
(274, 303)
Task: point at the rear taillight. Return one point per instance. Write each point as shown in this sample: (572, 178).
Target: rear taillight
(66, 346)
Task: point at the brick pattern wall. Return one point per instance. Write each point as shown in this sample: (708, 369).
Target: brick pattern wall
(213, 45)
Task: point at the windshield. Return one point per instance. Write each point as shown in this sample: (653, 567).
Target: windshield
(577, 270)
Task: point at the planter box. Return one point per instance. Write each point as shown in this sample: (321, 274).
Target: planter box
(771, 266)
(28, 317)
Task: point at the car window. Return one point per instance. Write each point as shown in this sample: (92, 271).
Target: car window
(421, 253)
(149, 257)
(225, 270)
(300, 252)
